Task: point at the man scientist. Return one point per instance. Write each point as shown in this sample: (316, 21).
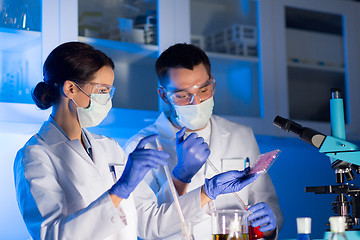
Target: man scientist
(196, 139)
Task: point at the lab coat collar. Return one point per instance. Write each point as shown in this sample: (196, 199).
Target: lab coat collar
(166, 129)
(218, 137)
(53, 135)
(218, 140)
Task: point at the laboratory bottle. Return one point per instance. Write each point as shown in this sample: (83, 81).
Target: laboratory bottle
(337, 227)
(303, 228)
(190, 233)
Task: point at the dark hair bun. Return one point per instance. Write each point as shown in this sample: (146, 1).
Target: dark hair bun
(44, 95)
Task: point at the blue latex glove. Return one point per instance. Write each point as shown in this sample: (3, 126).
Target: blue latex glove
(228, 182)
(192, 153)
(139, 162)
(262, 215)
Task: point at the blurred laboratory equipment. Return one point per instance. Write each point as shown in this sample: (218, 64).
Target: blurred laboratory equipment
(255, 233)
(303, 228)
(125, 21)
(229, 224)
(337, 225)
(20, 14)
(345, 160)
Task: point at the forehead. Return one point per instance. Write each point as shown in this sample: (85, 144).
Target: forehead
(181, 78)
(105, 75)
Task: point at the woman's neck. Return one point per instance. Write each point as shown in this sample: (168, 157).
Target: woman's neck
(67, 120)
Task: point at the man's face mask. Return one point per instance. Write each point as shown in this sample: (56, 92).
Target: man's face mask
(194, 117)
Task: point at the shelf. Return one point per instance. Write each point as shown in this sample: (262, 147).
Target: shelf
(233, 57)
(130, 51)
(316, 67)
(16, 37)
(134, 67)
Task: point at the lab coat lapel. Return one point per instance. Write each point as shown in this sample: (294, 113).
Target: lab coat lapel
(51, 135)
(75, 165)
(79, 149)
(100, 159)
(167, 137)
(218, 139)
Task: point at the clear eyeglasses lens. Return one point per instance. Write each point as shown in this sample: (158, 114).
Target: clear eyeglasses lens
(184, 97)
(106, 90)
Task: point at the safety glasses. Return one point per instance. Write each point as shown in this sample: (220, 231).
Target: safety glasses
(186, 96)
(97, 88)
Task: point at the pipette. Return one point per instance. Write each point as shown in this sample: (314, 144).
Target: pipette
(174, 194)
(243, 205)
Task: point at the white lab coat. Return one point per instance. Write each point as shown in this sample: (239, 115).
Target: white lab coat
(230, 143)
(62, 192)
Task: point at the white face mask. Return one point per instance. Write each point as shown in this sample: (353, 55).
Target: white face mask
(96, 112)
(194, 117)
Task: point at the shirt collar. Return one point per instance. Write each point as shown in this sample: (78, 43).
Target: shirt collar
(86, 143)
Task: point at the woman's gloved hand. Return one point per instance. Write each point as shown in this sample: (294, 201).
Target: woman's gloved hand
(192, 153)
(139, 162)
(262, 215)
(228, 182)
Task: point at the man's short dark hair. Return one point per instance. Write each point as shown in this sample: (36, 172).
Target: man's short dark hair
(180, 55)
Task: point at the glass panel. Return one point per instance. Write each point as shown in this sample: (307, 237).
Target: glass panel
(315, 55)
(20, 49)
(126, 21)
(227, 31)
(127, 32)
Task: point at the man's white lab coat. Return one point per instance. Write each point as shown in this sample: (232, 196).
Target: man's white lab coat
(230, 144)
(63, 194)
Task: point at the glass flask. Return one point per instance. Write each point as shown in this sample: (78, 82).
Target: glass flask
(337, 227)
(303, 228)
(190, 233)
(229, 224)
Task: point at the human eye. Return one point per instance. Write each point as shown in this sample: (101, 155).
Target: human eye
(103, 90)
(181, 95)
(205, 89)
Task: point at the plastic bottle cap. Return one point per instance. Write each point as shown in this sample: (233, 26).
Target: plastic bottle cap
(337, 224)
(303, 225)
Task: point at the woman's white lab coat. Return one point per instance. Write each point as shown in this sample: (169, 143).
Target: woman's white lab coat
(230, 144)
(63, 194)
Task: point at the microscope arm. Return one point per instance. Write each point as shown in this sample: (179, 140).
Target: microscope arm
(340, 149)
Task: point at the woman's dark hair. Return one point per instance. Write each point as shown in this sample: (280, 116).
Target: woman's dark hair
(74, 61)
(180, 55)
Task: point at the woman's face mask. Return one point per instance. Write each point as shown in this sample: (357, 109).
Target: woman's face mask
(100, 105)
(194, 117)
(96, 112)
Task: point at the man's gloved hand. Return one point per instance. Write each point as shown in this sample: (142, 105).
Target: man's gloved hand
(262, 215)
(139, 162)
(192, 153)
(228, 182)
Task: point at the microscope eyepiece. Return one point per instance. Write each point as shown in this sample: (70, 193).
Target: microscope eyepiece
(288, 125)
(308, 135)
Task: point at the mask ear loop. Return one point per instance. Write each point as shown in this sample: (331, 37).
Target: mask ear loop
(82, 92)
(74, 102)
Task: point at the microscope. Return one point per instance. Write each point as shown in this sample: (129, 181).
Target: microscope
(344, 156)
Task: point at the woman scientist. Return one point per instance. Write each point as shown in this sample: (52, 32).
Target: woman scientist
(66, 178)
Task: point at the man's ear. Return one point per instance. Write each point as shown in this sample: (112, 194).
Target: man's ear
(163, 95)
(69, 89)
